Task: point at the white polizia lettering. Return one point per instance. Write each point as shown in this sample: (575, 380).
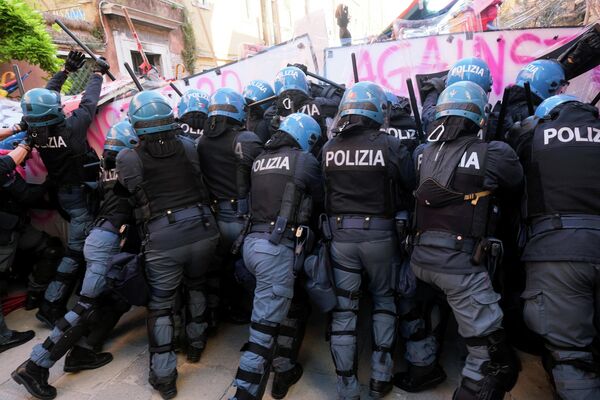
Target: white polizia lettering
(576, 134)
(472, 160)
(366, 158)
(271, 163)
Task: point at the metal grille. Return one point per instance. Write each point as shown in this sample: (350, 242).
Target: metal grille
(77, 81)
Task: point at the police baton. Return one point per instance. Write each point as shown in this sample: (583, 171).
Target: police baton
(596, 99)
(90, 165)
(322, 79)
(530, 109)
(17, 72)
(176, 89)
(502, 115)
(263, 101)
(133, 77)
(415, 110)
(82, 45)
(354, 67)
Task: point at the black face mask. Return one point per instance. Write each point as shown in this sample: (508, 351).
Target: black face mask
(194, 119)
(255, 112)
(160, 145)
(290, 101)
(351, 122)
(109, 160)
(449, 128)
(219, 124)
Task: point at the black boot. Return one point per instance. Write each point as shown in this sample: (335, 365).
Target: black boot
(417, 379)
(49, 313)
(34, 299)
(16, 339)
(35, 380)
(282, 381)
(379, 389)
(80, 359)
(166, 386)
(194, 353)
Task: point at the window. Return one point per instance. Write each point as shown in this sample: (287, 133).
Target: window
(153, 59)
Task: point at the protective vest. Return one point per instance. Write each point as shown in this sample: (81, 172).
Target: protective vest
(219, 158)
(356, 174)
(273, 191)
(65, 161)
(170, 183)
(450, 196)
(564, 173)
(405, 129)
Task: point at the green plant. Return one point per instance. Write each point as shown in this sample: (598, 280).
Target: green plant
(188, 54)
(24, 36)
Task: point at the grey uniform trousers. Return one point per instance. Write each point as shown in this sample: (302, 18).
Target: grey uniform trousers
(562, 302)
(272, 265)
(349, 260)
(475, 307)
(167, 263)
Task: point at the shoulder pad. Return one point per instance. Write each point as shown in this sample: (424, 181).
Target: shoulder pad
(247, 136)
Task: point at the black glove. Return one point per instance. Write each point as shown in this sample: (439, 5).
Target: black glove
(75, 61)
(437, 84)
(301, 67)
(27, 141)
(101, 66)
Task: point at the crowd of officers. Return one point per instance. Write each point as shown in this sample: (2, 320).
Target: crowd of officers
(254, 212)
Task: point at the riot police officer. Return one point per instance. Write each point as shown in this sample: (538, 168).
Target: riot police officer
(471, 69)
(10, 338)
(17, 233)
(545, 77)
(102, 243)
(192, 111)
(366, 171)
(286, 181)
(258, 90)
(180, 234)
(226, 152)
(559, 150)
(63, 147)
(454, 245)
(401, 123)
(293, 95)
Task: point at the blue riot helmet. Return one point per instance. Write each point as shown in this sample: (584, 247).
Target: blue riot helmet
(391, 98)
(471, 69)
(303, 128)
(11, 142)
(291, 78)
(258, 90)
(121, 136)
(150, 112)
(193, 100)
(365, 98)
(545, 77)
(42, 107)
(544, 109)
(463, 99)
(227, 102)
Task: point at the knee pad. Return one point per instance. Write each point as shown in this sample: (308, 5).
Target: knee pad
(266, 353)
(70, 333)
(504, 364)
(591, 366)
(151, 323)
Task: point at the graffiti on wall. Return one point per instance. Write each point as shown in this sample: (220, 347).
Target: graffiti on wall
(391, 63)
